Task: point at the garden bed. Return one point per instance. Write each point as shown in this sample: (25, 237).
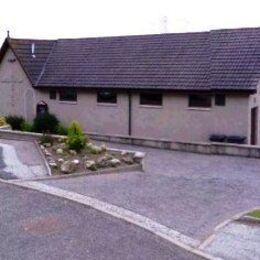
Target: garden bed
(91, 159)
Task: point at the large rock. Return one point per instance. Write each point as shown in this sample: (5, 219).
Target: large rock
(59, 151)
(103, 161)
(124, 153)
(128, 160)
(138, 157)
(53, 164)
(76, 161)
(95, 149)
(114, 162)
(68, 167)
(91, 165)
(103, 147)
(61, 160)
(89, 145)
(47, 153)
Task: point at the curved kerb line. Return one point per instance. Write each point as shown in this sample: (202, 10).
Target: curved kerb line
(223, 224)
(156, 228)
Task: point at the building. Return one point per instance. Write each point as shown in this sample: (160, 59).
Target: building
(182, 86)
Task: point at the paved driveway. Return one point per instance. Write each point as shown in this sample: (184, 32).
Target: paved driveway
(20, 159)
(39, 226)
(191, 193)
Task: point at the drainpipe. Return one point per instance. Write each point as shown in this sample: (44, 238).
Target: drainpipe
(129, 113)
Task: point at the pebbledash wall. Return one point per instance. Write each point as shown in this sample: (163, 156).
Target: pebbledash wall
(174, 120)
(16, 93)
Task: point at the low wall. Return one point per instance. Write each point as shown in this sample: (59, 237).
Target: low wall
(195, 147)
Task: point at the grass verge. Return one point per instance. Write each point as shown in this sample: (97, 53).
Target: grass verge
(255, 213)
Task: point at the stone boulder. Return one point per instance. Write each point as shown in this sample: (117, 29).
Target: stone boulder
(47, 153)
(76, 162)
(59, 151)
(96, 149)
(124, 153)
(128, 160)
(103, 161)
(68, 167)
(114, 162)
(91, 165)
(53, 164)
(138, 157)
(103, 147)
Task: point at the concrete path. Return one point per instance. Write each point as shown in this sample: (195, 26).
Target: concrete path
(187, 192)
(39, 226)
(20, 159)
(237, 240)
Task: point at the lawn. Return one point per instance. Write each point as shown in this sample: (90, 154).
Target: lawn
(255, 213)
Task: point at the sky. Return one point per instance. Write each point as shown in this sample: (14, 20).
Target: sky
(52, 19)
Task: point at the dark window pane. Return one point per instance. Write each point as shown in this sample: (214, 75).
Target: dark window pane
(199, 101)
(68, 95)
(106, 97)
(220, 100)
(52, 94)
(153, 99)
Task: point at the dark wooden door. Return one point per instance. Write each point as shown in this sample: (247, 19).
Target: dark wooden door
(254, 125)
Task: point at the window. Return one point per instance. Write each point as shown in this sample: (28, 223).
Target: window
(202, 101)
(106, 97)
(220, 100)
(68, 95)
(152, 99)
(52, 94)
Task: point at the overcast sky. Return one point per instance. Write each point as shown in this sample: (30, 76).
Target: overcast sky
(84, 18)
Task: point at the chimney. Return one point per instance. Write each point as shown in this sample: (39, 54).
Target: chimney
(8, 34)
(33, 50)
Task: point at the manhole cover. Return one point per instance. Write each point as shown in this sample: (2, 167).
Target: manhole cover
(44, 225)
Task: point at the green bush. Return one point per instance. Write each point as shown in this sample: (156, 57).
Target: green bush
(62, 130)
(2, 121)
(26, 126)
(76, 137)
(15, 122)
(45, 123)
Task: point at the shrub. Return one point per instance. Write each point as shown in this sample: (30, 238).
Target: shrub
(15, 122)
(46, 138)
(2, 121)
(45, 123)
(26, 126)
(62, 130)
(76, 137)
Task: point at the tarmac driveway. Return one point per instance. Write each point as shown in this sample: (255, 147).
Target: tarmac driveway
(190, 193)
(39, 226)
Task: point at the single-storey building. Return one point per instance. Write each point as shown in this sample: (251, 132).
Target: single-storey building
(178, 86)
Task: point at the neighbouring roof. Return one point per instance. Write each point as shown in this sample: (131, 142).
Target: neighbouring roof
(219, 59)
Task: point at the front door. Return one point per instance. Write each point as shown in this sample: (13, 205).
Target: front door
(254, 124)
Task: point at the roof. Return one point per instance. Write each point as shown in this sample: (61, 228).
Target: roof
(219, 59)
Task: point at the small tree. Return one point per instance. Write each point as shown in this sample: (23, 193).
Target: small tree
(76, 137)
(45, 123)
